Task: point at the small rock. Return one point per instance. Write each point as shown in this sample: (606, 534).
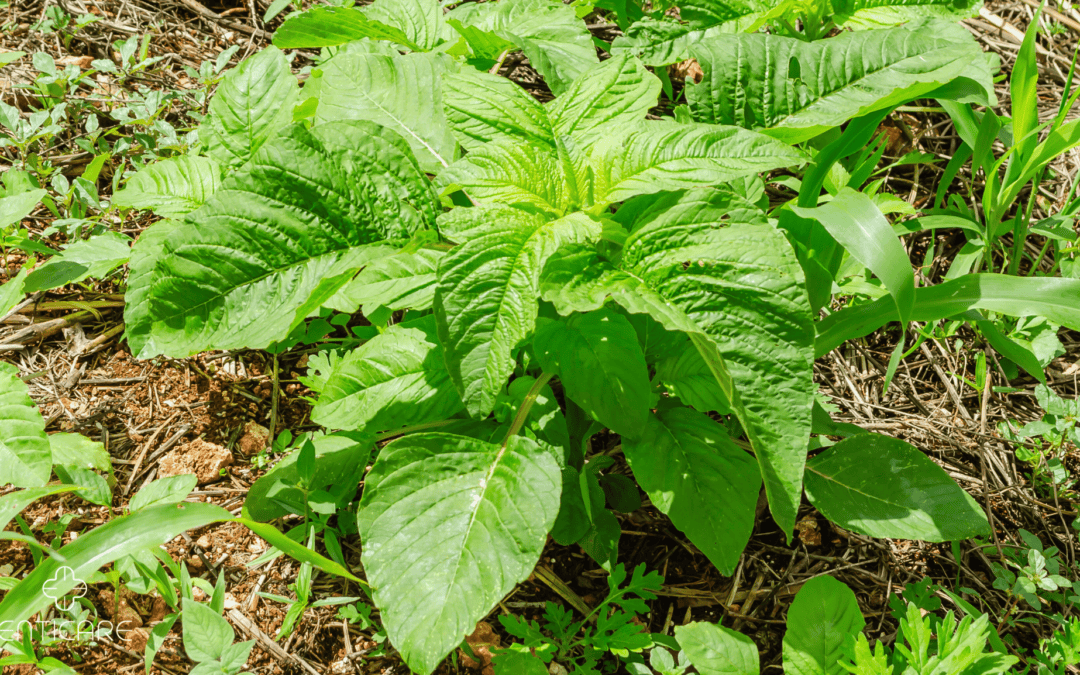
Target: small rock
(205, 460)
(556, 669)
(134, 639)
(689, 69)
(253, 439)
(83, 62)
(230, 601)
(203, 542)
(341, 667)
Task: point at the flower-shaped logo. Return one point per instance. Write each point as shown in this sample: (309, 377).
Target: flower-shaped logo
(55, 589)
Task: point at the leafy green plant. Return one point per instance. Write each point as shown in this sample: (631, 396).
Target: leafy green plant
(608, 628)
(208, 640)
(580, 268)
(1047, 436)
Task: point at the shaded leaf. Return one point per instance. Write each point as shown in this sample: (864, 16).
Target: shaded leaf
(884, 487)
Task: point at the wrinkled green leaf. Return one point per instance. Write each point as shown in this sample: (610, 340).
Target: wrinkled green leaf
(887, 13)
(450, 524)
(795, 90)
(171, 187)
(652, 157)
(707, 485)
(253, 102)
(268, 248)
(487, 298)
(394, 380)
(331, 26)
(601, 366)
(400, 92)
(741, 286)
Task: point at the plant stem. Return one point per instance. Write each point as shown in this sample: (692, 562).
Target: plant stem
(408, 430)
(526, 405)
(274, 412)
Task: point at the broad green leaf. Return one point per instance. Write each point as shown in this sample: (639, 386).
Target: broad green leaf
(707, 485)
(1050, 297)
(206, 633)
(883, 487)
(13, 290)
(545, 420)
(601, 538)
(168, 490)
(823, 614)
(742, 287)
(99, 547)
(296, 550)
(143, 275)
(716, 650)
(253, 102)
(16, 207)
(526, 175)
(795, 90)
(655, 156)
(394, 380)
(269, 248)
(420, 21)
(156, 638)
(483, 108)
(487, 299)
(519, 663)
(656, 342)
(13, 503)
(858, 225)
(701, 13)
(94, 257)
(888, 13)
(78, 450)
(618, 92)
(93, 487)
(403, 280)
(332, 26)
(275, 494)
(664, 42)
(485, 45)
(171, 187)
(549, 33)
(401, 92)
(450, 524)
(601, 367)
(25, 457)
(688, 377)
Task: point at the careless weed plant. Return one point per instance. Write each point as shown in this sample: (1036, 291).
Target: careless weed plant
(534, 274)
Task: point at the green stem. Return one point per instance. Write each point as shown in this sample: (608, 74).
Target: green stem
(408, 430)
(526, 405)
